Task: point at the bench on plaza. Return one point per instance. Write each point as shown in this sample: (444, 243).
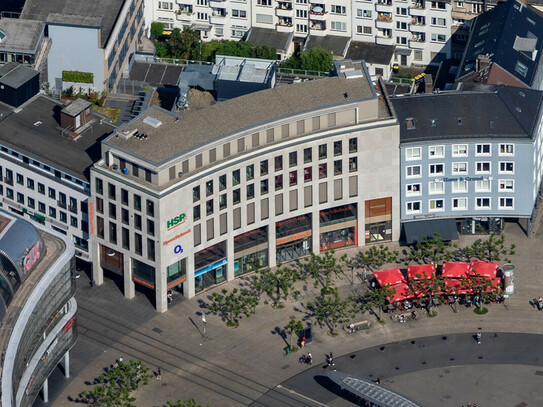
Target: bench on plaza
(405, 317)
(357, 326)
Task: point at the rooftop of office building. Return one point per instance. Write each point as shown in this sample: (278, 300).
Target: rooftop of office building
(87, 12)
(34, 130)
(169, 135)
(498, 111)
(19, 34)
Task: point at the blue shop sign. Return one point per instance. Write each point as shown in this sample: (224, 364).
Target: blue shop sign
(211, 267)
(446, 179)
(178, 249)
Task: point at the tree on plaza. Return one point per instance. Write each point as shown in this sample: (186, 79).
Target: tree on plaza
(328, 308)
(157, 29)
(433, 250)
(283, 280)
(230, 306)
(426, 287)
(378, 298)
(185, 44)
(294, 326)
(492, 249)
(116, 385)
(377, 256)
(321, 268)
(481, 287)
(186, 403)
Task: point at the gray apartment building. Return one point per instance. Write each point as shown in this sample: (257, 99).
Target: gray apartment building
(187, 201)
(474, 158)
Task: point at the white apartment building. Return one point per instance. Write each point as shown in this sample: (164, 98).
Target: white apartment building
(420, 29)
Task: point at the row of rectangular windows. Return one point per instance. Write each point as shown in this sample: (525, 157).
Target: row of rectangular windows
(459, 204)
(125, 216)
(292, 162)
(460, 168)
(112, 195)
(504, 185)
(459, 150)
(137, 246)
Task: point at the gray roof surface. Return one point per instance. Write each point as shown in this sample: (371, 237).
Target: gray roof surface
(372, 53)
(512, 111)
(72, 19)
(198, 127)
(334, 43)
(22, 35)
(107, 10)
(14, 75)
(370, 391)
(273, 39)
(243, 69)
(45, 143)
(495, 33)
(76, 107)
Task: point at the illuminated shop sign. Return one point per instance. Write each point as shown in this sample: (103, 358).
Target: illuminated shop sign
(176, 237)
(32, 257)
(446, 179)
(178, 249)
(178, 220)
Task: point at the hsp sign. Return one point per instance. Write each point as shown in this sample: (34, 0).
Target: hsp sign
(178, 220)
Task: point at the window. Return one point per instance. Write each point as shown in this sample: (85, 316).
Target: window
(435, 205)
(209, 188)
(112, 211)
(150, 227)
(339, 9)
(30, 183)
(125, 217)
(436, 151)
(413, 207)
(41, 188)
(439, 37)
(506, 185)
(439, 5)
(436, 188)
(482, 167)
(459, 186)
(239, 13)
(322, 151)
(137, 202)
(278, 163)
(353, 145)
(278, 182)
(482, 203)
(506, 203)
(124, 196)
(323, 171)
(20, 198)
(338, 167)
(338, 26)
(222, 202)
(307, 155)
(401, 40)
(64, 219)
(250, 172)
(235, 33)
(292, 178)
(413, 171)
(482, 186)
(507, 149)
(401, 25)
(521, 69)
(111, 191)
(338, 150)
(235, 177)
(301, 13)
(209, 205)
(482, 149)
(413, 190)
(251, 191)
(436, 169)
(363, 13)
(301, 28)
(137, 221)
(195, 213)
(264, 187)
(264, 167)
(459, 168)
(98, 183)
(137, 243)
(52, 193)
(353, 164)
(73, 222)
(150, 208)
(507, 167)
(20, 179)
(438, 21)
(410, 123)
(413, 153)
(164, 5)
(151, 249)
(459, 150)
(31, 202)
(73, 205)
(363, 29)
(459, 204)
(307, 174)
(292, 159)
(417, 55)
(52, 212)
(41, 207)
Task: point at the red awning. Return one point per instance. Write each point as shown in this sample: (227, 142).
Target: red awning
(497, 283)
(391, 276)
(402, 293)
(421, 271)
(452, 286)
(455, 270)
(485, 268)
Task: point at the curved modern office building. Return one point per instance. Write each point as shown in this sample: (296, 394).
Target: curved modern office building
(187, 201)
(37, 307)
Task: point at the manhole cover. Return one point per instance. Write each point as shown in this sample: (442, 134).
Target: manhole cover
(285, 367)
(157, 330)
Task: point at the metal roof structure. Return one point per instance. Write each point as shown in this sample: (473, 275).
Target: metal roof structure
(15, 75)
(369, 52)
(269, 37)
(334, 43)
(370, 391)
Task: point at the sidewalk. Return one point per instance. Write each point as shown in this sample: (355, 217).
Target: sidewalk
(235, 366)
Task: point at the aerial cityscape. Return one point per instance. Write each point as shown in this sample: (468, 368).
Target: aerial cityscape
(271, 203)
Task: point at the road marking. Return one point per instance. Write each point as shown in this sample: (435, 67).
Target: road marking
(302, 396)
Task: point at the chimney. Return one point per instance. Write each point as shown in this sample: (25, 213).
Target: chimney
(428, 83)
(482, 62)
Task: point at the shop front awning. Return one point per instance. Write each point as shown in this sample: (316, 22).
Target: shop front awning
(417, 230)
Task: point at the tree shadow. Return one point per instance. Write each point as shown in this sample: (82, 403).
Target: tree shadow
(282, 333)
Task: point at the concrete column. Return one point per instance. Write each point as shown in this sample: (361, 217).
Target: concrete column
(67, 365)
(315, 233)
(97, 270)
(361, 224)
(272, 258)
(129, 286)
(188, 285)
(45, 391)
(161, 290)
(230, 257)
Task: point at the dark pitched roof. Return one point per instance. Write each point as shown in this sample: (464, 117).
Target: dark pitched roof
(106, 10)
(506, 111)
(15, 75)
(504, 34)
(273, 39)
(333, 43)
(372, 53)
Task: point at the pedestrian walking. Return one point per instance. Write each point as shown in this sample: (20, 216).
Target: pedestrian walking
(158, 374)
(302, 341)
(330, 359)
(478, 338)
(115, 365)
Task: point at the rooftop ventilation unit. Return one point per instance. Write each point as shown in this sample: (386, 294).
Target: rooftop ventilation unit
(151, 121)
(126, 134)
(357, 73)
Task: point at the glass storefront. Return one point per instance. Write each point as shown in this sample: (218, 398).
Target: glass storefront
(293, 238)
(210, 266)
(176, 273)
(481, 226)
(338, 227)
(251, 251)
(143, 274)
(378, 220)
(112, 260)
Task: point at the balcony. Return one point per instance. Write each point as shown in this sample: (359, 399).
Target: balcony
(61, 204)
(317, 13)
(419, 5)
(383, 6)
(317, 25)
(283, 11)
(417, 12)
(384, 40)
(284, 27)
(218, 17)
(184, 14)
(417, 43)
(217, 3)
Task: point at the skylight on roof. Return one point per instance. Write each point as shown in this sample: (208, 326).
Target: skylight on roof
(3, 36)
(410, 123)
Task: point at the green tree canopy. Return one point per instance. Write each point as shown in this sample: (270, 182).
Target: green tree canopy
(157, 29)
(185, 44)
(318, 59)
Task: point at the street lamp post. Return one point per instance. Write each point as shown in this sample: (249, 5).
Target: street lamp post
(204, 321)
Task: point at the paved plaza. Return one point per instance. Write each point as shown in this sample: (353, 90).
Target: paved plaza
(434, 361)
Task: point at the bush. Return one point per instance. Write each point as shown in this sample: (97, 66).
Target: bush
(79, 77)
(157, 29)
(481, 311)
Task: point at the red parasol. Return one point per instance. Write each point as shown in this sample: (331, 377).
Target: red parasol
(455, 269)
(421, 271)
(391, 276)
(452, 284)
(402, 293)
(484, 268)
